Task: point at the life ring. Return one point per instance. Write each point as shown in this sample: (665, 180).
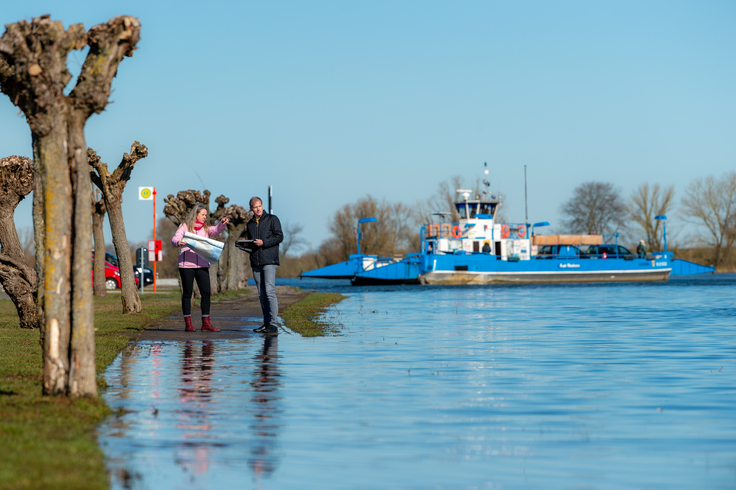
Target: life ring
(456, 233)
(521, 230)
(505, 231)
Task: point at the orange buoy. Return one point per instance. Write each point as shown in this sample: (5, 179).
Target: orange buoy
(456, 231)
(505, 231)
(522, 231)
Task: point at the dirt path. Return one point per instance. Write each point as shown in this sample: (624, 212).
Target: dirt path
(237, 317)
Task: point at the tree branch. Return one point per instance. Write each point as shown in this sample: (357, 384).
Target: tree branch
(122, 173)
(108, 44)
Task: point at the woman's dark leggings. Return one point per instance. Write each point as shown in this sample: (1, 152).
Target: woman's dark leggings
(202, 275)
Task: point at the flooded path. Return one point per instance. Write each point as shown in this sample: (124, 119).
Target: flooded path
(605, 386)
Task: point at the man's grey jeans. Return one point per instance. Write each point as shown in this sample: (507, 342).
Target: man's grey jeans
(265, 277)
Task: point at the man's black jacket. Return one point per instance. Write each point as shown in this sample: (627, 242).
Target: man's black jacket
(268, 229)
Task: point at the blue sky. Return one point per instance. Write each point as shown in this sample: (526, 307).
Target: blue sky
(331, 101)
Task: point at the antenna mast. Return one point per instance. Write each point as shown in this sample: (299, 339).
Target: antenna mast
(526, 208)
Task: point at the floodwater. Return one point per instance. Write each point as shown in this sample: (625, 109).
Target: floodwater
(591, 387)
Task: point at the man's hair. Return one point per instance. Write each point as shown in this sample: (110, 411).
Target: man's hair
(254, 198)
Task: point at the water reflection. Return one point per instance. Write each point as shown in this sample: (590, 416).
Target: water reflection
(266, 411)
(192, 413)
(195, 395)
(627, 386)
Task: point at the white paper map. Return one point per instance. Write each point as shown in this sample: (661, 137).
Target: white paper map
(207, 248)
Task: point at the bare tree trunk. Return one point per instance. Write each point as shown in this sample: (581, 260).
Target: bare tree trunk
(222, 270)
(17, 278)
(39, 242)
(82, 374)
(98, 218)
(112, 187)
(214, 283)
(236, 259)
(129, 292)
(57, 214)
(33, 73)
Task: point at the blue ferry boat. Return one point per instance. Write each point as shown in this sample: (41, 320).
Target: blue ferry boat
(478, 250)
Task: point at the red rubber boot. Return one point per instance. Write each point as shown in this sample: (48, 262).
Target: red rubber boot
(188, 323)
(207, 325)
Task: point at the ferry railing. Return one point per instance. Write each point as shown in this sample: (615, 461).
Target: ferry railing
(432, 232)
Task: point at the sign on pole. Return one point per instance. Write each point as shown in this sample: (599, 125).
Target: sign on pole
(145, 193)
(155, 251)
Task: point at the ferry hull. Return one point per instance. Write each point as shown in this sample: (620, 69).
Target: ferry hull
(468, 278)
(486, 269)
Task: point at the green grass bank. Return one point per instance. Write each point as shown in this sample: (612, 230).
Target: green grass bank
(301, 317)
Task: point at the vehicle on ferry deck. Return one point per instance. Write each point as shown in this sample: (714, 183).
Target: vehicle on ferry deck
(608, 251)
(554, 251)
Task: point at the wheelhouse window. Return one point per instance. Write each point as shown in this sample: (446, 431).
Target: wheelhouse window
(487, 208)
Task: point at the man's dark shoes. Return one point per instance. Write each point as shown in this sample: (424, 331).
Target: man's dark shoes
(261, 329)
(271, 330)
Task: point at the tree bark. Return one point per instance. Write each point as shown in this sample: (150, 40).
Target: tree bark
(39, 242)
(236, 259)
(33, 74)
(98, 218)
(57, 213)
(232, 265)
(82, 374)
(112, 187)
(17, 278)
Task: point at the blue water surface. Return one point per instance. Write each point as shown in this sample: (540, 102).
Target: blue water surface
(589, 387)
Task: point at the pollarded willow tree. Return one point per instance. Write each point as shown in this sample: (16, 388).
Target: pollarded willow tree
(112, 187)
(34, 75)
(16, 276)
(231, 267)
(177, 207)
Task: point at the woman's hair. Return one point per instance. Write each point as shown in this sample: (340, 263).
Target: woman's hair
(191, 219)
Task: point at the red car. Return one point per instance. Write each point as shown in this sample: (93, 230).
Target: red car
(112, 275)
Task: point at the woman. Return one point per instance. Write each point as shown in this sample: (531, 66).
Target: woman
(193, 267)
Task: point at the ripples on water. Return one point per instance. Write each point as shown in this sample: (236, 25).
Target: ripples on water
(599, 386)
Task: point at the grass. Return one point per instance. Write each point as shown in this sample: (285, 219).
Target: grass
(50, 441)
(301, 317)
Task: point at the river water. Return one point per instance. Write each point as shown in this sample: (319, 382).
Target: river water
(591, 387)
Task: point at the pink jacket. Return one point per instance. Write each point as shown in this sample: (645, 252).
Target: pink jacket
(187, 258)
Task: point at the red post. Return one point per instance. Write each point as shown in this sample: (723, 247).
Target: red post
(154, 240)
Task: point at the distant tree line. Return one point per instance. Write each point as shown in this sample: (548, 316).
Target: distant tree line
(709, 204)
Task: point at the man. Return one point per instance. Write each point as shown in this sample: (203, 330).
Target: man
(486, 247)
(265, 231)
(641, 250)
